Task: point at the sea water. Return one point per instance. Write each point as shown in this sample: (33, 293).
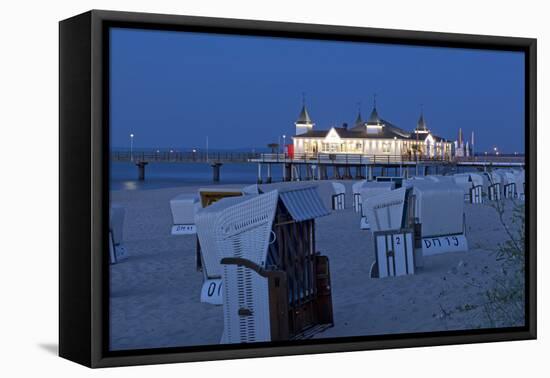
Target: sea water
(124, 175)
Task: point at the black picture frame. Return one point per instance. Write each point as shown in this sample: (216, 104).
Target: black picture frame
(84, 190)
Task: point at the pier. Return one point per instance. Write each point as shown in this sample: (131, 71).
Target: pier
(299, 167)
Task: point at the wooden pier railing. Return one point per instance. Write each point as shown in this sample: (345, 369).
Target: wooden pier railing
(183, 157)
(319, 158)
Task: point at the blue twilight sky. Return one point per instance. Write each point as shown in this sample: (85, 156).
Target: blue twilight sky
(173, 89)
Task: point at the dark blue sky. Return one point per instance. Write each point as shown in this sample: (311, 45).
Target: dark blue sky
(172, 89)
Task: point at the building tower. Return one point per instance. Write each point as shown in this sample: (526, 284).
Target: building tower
(303, 123)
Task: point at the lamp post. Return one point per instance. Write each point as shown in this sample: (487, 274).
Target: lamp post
(132, 147)
(207, 147)
(284, 144)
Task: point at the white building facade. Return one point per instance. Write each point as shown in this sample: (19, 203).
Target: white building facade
(375, 137)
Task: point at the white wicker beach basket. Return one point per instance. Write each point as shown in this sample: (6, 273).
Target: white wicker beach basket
(243, 230)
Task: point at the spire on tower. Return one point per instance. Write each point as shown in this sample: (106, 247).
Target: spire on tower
(374, 119)
(421, 124)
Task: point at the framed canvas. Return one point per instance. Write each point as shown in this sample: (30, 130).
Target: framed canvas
(234, 188)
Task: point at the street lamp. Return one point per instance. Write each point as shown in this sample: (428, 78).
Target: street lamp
(284, 144)
(207, 147)
(132, 147)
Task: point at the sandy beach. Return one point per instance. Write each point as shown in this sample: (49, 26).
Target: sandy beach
(155, 292)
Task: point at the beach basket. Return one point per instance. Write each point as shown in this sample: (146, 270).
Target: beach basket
(117, 251)
(369, 191)
(184, 207)
(394, 253)
(356, 192)
(275, 286)
(520, 184)
(439, 209)
(339, 196)
(493, 182)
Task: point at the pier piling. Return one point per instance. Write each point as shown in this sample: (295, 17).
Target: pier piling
(259, 173)
(335, 172)
(323, 172)
(141, 169)
(358, 172)
(269, 178)
(216, 172)
(288, 172)
(347, 172)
